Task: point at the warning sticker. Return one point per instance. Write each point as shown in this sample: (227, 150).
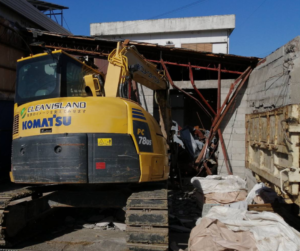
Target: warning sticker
(104, 141)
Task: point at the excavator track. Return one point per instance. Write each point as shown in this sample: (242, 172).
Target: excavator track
(24, 213)
(5, 199)
(147, 220)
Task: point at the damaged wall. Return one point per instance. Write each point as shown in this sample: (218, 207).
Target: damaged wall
(233, 130)
(275, 82)
(272, 84)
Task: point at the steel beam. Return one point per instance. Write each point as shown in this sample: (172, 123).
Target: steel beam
(198, 92)
(196, 67)
(219, 88)
(184, 92)
(222, 112)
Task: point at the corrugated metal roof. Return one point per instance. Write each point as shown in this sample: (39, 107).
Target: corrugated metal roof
(29, 11)
(45, 6)
(173, 50)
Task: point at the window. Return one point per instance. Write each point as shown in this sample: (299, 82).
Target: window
(73, 82)
(37, 79)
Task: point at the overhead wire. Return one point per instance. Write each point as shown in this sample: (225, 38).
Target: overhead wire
(180, 8)
(163, 14)
(253, 13)
(67, 24)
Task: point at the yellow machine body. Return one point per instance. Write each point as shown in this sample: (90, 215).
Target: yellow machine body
(87, 138)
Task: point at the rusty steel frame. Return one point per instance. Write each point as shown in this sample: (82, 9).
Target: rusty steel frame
(240, 81)
(179, 89)
(196, 66)
(223, 110)
(219, 88)
(219, 115)
(229, 169)
(198, 92)
(214, 113)
(94, 53)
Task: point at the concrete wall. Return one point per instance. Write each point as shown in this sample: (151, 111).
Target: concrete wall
(275, 82)
(186, 24)
(233, 130)
(213, 30)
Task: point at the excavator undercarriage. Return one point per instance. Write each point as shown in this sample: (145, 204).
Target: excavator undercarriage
(25, 212)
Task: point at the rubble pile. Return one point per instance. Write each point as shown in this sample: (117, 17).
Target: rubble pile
(188, 143)
(103, 220)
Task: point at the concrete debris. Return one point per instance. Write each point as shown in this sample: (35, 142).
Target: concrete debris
(89, 226)
(120, 226)
(188, 144)
(105, 222)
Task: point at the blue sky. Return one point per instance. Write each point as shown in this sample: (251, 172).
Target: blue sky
(262, 26)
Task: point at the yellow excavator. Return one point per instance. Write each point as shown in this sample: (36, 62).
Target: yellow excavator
(80, 139)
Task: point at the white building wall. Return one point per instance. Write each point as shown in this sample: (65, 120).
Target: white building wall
(187, 24)
(213, 30)
(218, 38)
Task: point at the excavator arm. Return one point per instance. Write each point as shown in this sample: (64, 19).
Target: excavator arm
(126, 64)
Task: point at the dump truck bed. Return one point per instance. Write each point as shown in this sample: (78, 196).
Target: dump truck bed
(272, 149)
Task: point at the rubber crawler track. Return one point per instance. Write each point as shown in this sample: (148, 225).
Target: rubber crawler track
(5, 199)
(147, 220)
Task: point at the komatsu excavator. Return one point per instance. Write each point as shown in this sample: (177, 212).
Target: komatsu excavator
(82, 141)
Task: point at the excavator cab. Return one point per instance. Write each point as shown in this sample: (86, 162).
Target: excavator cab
(54, 75)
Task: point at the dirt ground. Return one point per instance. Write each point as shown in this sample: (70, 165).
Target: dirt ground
(89, 240)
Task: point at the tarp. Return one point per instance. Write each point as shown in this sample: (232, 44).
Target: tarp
(219, 184)
(225, 198)
(269, 230)
(213, 235)
(260, 194)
